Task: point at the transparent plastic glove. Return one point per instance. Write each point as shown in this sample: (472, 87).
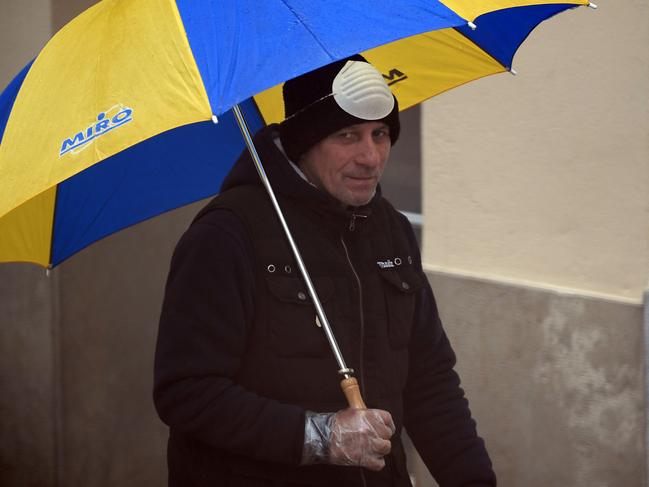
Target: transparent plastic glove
(350, 437)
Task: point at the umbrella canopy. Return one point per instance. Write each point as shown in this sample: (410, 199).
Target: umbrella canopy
(113, 122)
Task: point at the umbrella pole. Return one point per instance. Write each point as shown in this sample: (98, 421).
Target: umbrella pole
(349, 384)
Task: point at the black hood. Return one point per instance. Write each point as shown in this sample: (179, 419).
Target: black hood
(282, 176)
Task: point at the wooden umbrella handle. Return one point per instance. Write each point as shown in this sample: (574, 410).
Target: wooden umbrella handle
(352, 393)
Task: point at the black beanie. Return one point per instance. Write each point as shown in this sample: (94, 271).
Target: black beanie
(311, 113)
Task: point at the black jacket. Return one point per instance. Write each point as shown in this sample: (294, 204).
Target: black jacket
(240, 358)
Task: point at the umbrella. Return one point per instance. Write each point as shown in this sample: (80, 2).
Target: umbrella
(124, 112)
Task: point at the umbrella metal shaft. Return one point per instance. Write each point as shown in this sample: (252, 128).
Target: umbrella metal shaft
(243, 126)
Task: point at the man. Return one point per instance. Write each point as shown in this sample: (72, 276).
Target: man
(244, 376)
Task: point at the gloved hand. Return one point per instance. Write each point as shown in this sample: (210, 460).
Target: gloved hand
(351, 437)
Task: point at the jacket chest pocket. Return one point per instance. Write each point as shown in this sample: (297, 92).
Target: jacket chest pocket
(291, 317)
(400, 289)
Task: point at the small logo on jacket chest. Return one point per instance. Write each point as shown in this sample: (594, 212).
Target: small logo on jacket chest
(385, 264)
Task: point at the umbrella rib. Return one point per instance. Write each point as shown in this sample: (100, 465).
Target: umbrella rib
(315, 38)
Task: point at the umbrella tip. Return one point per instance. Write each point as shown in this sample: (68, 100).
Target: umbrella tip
(472, 26)
(215, 119)
(513, 71)
(592, 5)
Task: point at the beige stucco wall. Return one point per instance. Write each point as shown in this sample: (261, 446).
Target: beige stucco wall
(544, 177)
(25, 30)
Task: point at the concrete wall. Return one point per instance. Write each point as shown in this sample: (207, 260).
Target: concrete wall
(29, 431)
(555, 381)
(25, 30)
(29, 386)
(76, 355)
(110, 303)
(536, 239)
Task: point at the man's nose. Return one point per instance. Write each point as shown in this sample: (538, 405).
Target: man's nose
(369, 153)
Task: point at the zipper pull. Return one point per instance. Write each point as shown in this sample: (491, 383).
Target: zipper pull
(352, 222)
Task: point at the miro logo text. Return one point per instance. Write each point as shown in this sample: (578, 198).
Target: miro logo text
(113, 118)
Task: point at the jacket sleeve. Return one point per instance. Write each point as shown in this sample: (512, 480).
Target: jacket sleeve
(436, 413)
(208, 307)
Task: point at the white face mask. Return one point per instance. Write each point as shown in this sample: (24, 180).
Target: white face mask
(360, 90)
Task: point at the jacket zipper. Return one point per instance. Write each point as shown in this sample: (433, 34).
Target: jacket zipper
(362, 317)
(352, 227)
(362, 322)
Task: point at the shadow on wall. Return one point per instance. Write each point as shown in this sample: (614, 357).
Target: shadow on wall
(77, 407)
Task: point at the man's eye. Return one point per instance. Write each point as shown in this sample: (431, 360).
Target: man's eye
(345, 135)
(381, 133)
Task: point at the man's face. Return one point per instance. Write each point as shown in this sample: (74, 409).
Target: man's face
(348, 164)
